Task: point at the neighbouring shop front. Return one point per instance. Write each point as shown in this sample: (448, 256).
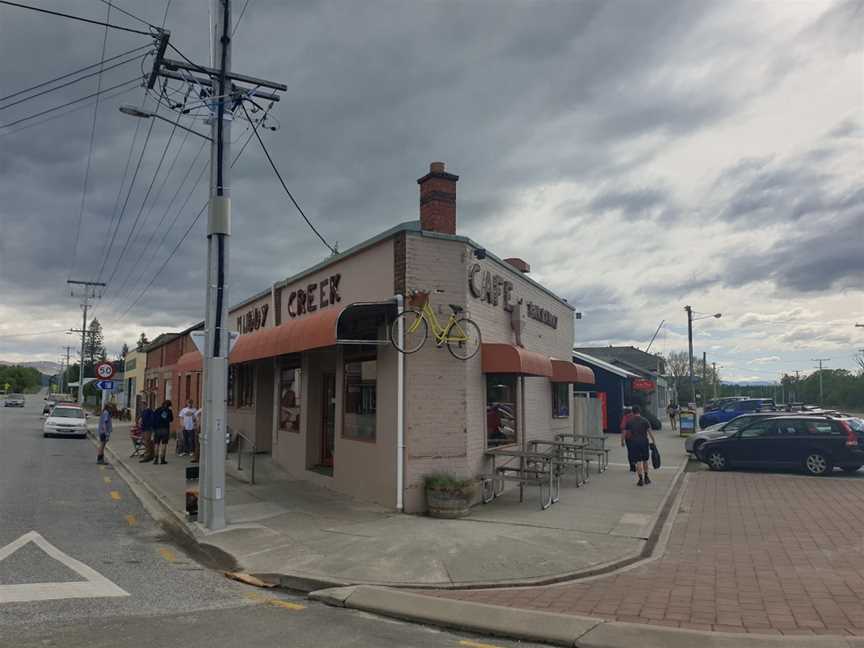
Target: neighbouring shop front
(315, 380)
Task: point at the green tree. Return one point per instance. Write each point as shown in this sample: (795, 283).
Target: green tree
(20, 379)
(94, 346)
(124, 351)
(142, 342)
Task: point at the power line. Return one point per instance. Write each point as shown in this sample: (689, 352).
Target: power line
(90, 148)
(144, 202)
(78, 71)
(239, 18)
(128, 195)
(185, 234)
(127, 13)
(78, 18)
(17, 335)
(284, 186)
(69, 103)
(106, 97)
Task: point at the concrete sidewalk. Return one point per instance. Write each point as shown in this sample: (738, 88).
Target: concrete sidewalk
(297, 531)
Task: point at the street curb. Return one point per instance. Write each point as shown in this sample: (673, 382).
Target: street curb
(553, 628)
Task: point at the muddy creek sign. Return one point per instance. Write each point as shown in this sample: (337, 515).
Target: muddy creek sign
(494, 289)
(253, 320)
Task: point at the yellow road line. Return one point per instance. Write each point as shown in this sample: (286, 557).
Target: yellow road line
(167, 554)
(115, 495)
(131, 520)
(286, 605)
(107, 480)
(476, 644)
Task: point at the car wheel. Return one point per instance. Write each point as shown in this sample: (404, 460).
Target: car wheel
(817, 464)
(716, 460)
(851, 469)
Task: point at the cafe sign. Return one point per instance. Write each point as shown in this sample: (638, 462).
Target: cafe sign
(492, 288)
(643, 384)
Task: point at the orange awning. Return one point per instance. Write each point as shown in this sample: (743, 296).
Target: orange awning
(511, 359)
(564, 371)
(311, 332)
(190, 361)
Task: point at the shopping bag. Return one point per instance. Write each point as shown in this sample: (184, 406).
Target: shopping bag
(655, 456)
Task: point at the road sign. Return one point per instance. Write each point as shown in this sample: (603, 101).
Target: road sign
(198, 340)
(104, 385)
(104, 370)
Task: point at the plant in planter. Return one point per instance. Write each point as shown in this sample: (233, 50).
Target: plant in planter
(448, 496)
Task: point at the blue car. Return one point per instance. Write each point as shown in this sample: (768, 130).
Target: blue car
(737, 408)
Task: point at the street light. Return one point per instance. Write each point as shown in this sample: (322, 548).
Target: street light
(690, 320)
(147, 114)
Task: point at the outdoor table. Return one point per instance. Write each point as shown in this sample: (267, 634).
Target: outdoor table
(535, 469)
(595, 445)
(567, 454)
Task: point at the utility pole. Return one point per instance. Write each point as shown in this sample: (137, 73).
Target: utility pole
(63, 375)
(87, 292)
(820, 361)
(690, 346)
(714, 376)
(219, 86)
(704, 376)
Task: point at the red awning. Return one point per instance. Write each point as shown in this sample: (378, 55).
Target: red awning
(310, 332)
(564, 371)
(190, 361)
(511, 359)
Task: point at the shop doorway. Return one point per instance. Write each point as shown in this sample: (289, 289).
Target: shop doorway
(328, 420)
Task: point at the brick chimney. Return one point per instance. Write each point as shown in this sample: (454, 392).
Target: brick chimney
(438, 200)
(520, 264)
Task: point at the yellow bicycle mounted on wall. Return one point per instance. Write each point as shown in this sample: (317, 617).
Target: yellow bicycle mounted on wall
(460, 334)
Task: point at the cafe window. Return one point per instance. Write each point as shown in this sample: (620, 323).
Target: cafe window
(245, 385)
(361, 399)
(289, 399)
(501, 413)
(560, 400)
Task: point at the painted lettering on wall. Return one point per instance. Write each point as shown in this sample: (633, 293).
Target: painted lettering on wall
(492, 288)
(253, 320)
(542, 315)
(320, 294)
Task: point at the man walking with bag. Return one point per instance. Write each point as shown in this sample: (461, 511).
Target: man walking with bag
(639, 438)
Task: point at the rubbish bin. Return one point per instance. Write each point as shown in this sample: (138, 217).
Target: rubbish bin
(192, 504)
(686, 422)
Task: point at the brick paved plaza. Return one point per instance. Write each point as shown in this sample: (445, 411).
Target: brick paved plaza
(749, 552)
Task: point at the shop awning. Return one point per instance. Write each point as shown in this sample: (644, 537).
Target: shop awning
(310, 332)
(190, 361)
(511, 359)
(366, 322)
(564, 371)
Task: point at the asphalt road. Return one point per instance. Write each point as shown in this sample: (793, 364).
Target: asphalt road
(144, 590)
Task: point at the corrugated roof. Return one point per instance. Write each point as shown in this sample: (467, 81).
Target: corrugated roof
(579, 355)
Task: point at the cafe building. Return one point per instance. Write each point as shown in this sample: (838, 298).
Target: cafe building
(315, 380)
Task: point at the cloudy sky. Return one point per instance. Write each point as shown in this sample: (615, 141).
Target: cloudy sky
(640, 155)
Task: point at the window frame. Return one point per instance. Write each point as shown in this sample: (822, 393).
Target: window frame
(296, 369)
(517, 427)
(557, 400)
(359, 356)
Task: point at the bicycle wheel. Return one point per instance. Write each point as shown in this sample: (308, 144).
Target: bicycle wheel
(415, 328)
(463, 339)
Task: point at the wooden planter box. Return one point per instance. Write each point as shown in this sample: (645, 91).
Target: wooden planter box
(450, 504)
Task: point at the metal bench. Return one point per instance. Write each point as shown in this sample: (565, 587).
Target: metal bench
(533, 469)
(568, 457)
(593, 445)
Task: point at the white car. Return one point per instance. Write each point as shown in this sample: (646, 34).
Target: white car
(65, 420)
(14, 400)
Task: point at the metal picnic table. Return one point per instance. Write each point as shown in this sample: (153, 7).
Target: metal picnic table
(536, 468)
(568, 455)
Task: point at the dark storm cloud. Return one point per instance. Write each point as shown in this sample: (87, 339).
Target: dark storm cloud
(635, 204)
(510, 95)
(824, 257)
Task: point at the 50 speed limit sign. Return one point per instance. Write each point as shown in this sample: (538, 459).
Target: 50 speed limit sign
(104, 371)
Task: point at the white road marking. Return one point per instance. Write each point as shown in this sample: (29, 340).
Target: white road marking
(94, 585)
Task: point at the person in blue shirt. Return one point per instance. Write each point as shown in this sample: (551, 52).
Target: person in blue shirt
(104, 433)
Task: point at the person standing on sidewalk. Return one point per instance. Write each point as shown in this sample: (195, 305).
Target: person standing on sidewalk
(672, 413)
(104, 430)
(164, 417)
(147, 423)
(628, 414)
(188, 415)
(639, 438)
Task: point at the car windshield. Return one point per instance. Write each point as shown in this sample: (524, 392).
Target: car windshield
(67, 412)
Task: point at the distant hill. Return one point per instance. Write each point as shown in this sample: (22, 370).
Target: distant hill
(45, 367)
(750, 383)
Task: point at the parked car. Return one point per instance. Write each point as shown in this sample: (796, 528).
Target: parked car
(718, 403)
(14, 400)
(695, 441)
(65, 420)
(733, 409)
(816, 444)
